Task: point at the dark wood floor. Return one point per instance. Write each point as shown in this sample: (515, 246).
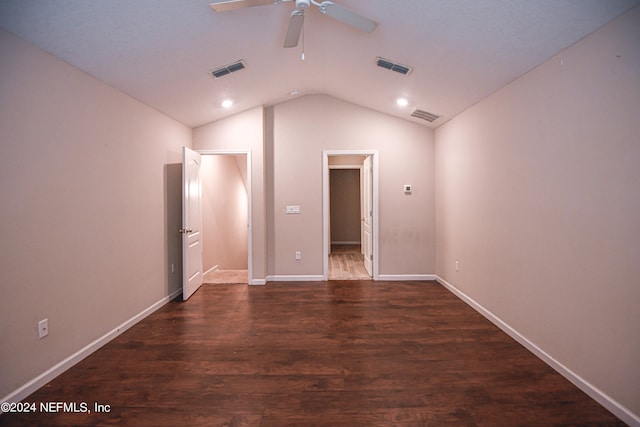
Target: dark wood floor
(326, 354)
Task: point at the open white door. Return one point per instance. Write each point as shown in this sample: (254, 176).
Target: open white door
(191, 223)
(367, 195)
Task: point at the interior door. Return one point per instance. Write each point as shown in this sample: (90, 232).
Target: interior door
(191, 223)
(367, 220)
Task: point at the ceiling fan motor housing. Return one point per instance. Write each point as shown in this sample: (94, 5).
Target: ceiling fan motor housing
(303, 4)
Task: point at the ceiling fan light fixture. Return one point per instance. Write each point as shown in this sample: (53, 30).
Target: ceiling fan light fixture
(296, 20)
(347, 16)
(226, 5)
(294, 29)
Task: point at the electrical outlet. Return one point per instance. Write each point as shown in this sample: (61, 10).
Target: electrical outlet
(43, 328)
(457, 265)
(298, 256)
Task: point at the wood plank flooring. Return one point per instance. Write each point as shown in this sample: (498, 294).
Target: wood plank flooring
(347, 263)
(339, 353)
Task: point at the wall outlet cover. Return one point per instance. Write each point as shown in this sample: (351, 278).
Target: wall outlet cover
(43, 328)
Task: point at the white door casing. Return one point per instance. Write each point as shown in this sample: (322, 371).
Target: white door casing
(367, 195)
(362, 209)
(191, 223)
(373, 156)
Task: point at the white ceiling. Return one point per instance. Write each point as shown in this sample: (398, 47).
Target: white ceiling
(160, 51)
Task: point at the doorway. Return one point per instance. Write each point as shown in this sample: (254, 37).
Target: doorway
(346, 217)
(350, 190)
(225, 218)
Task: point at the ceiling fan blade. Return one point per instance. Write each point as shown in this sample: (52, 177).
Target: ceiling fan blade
(294, 29)
(225, 5)
(348, 17)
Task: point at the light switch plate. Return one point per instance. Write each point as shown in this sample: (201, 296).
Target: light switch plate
(293, 210)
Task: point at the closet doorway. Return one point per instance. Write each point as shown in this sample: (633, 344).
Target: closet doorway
(348, 207)
(225, 178)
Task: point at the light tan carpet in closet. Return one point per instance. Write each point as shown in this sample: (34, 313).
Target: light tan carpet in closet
(225, 276)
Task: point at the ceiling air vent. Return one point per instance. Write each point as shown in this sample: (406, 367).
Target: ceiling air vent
(425, 115)
(393, 66)
(228, 69)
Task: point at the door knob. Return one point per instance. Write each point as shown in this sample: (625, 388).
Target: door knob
(185, 230)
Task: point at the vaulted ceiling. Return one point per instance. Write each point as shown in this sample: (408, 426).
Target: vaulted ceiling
(161, 51)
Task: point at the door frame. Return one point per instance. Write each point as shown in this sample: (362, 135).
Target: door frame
(326, 244)
(249, 202)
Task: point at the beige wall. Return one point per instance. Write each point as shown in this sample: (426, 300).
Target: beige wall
(90, 208)
(301, 130)
(346, 160)
(224, 212)
(287, 140)
(345, 206)
(244, 131)
(537, 196)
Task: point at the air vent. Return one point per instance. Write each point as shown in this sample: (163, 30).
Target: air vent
(425, 115)
(393, 66)
(228, 69)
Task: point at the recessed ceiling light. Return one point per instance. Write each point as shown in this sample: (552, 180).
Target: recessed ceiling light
(403, 102)
(294, 92)
(227, 103)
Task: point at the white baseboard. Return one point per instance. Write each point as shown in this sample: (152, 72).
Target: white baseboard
(51, 373)
(211, 270)
(319, 278)
(596, 394)
(407, 277)
(294, 278)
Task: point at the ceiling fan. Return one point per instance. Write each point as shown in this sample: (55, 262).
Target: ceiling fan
(297, 16)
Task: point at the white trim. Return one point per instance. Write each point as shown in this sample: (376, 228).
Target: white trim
(294, 278)
(51, 373)
(408, 277)
(258, 282)
(348, 167)
(249, 202)
(325, 207)
(595, 393)
(227, 152)
(211, 270)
